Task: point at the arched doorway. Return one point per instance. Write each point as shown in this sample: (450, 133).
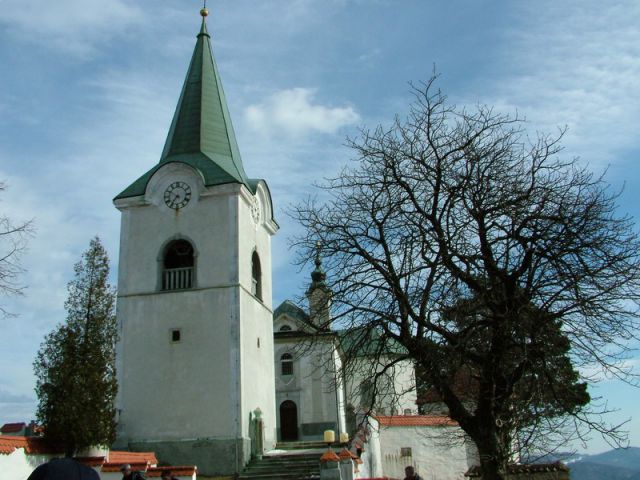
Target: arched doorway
(288, 421)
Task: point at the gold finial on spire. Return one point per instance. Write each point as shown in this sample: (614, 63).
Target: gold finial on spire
(204, 12)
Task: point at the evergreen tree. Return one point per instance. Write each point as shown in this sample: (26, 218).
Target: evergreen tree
(75, 366)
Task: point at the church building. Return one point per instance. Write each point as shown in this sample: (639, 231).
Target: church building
(209, 373)
(195, 357)
(316, 388)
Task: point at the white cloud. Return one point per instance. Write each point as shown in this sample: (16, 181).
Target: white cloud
(67, 190)
(293, 112)
(577, 64)
(10, 397)
(18, 411)
(73, 26)
(370, 57)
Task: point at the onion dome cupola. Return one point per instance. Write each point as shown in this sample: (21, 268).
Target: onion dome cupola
(318, 277)
(319, 295)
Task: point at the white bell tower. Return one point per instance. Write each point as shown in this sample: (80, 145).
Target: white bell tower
(195, 356)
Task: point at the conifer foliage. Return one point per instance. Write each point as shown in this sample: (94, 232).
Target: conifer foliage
(75, 366)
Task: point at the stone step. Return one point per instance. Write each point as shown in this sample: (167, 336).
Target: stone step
(280, 465)
(278, 476)
(284, 465)
(290, 474)
(292, 458)
(273, 465)
(300, 445)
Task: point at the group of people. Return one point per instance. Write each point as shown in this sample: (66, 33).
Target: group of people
(129, 474)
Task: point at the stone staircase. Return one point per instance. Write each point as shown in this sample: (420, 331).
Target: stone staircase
(289, 461)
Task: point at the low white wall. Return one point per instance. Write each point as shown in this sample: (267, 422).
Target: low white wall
(18, 465)
(437, 452)
(371, 466)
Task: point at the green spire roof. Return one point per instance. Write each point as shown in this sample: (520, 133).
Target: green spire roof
(201, 134)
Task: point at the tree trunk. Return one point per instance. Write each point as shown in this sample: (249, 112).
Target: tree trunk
(493, 453)
(490, 468)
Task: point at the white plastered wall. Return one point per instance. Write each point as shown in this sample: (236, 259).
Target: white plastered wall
(437, 452)
(18, 465)
(205, 385)
(257, 373)
(312, 387)
(396, 389)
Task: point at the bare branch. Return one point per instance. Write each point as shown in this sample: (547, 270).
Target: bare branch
(491, 261)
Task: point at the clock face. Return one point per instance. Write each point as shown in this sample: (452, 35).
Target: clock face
(177, 195)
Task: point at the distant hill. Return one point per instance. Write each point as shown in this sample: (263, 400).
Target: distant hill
(621, 457)
(584, 470)
(619, 464)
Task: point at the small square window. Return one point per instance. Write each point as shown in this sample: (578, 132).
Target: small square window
(405, 452)
(175, 335)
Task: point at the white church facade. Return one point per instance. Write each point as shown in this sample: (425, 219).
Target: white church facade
(195, 357)
(316, 388)
(202, 353)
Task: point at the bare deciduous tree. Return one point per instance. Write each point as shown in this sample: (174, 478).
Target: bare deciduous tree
(481, 251)
(13, 242)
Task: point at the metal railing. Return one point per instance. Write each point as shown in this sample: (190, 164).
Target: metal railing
(177, 278)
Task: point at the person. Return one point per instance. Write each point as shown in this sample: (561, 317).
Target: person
(66, 468)
(128, 474)
(166, 475)
(410, 474)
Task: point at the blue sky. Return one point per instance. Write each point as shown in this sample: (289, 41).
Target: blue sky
(88, 88)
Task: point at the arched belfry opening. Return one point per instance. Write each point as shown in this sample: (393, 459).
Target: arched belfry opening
(256, 276)
(178, 264)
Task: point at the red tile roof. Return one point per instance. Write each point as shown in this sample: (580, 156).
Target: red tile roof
(115, 467)
(180, 471)
(329, 456)
(121, 457)
(31, 445)
(12, 427)
(139, 461)
(415, 421)
(344, 453)
(7, 445)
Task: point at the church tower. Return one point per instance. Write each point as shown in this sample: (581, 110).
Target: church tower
(319, 296)
(195, 356)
